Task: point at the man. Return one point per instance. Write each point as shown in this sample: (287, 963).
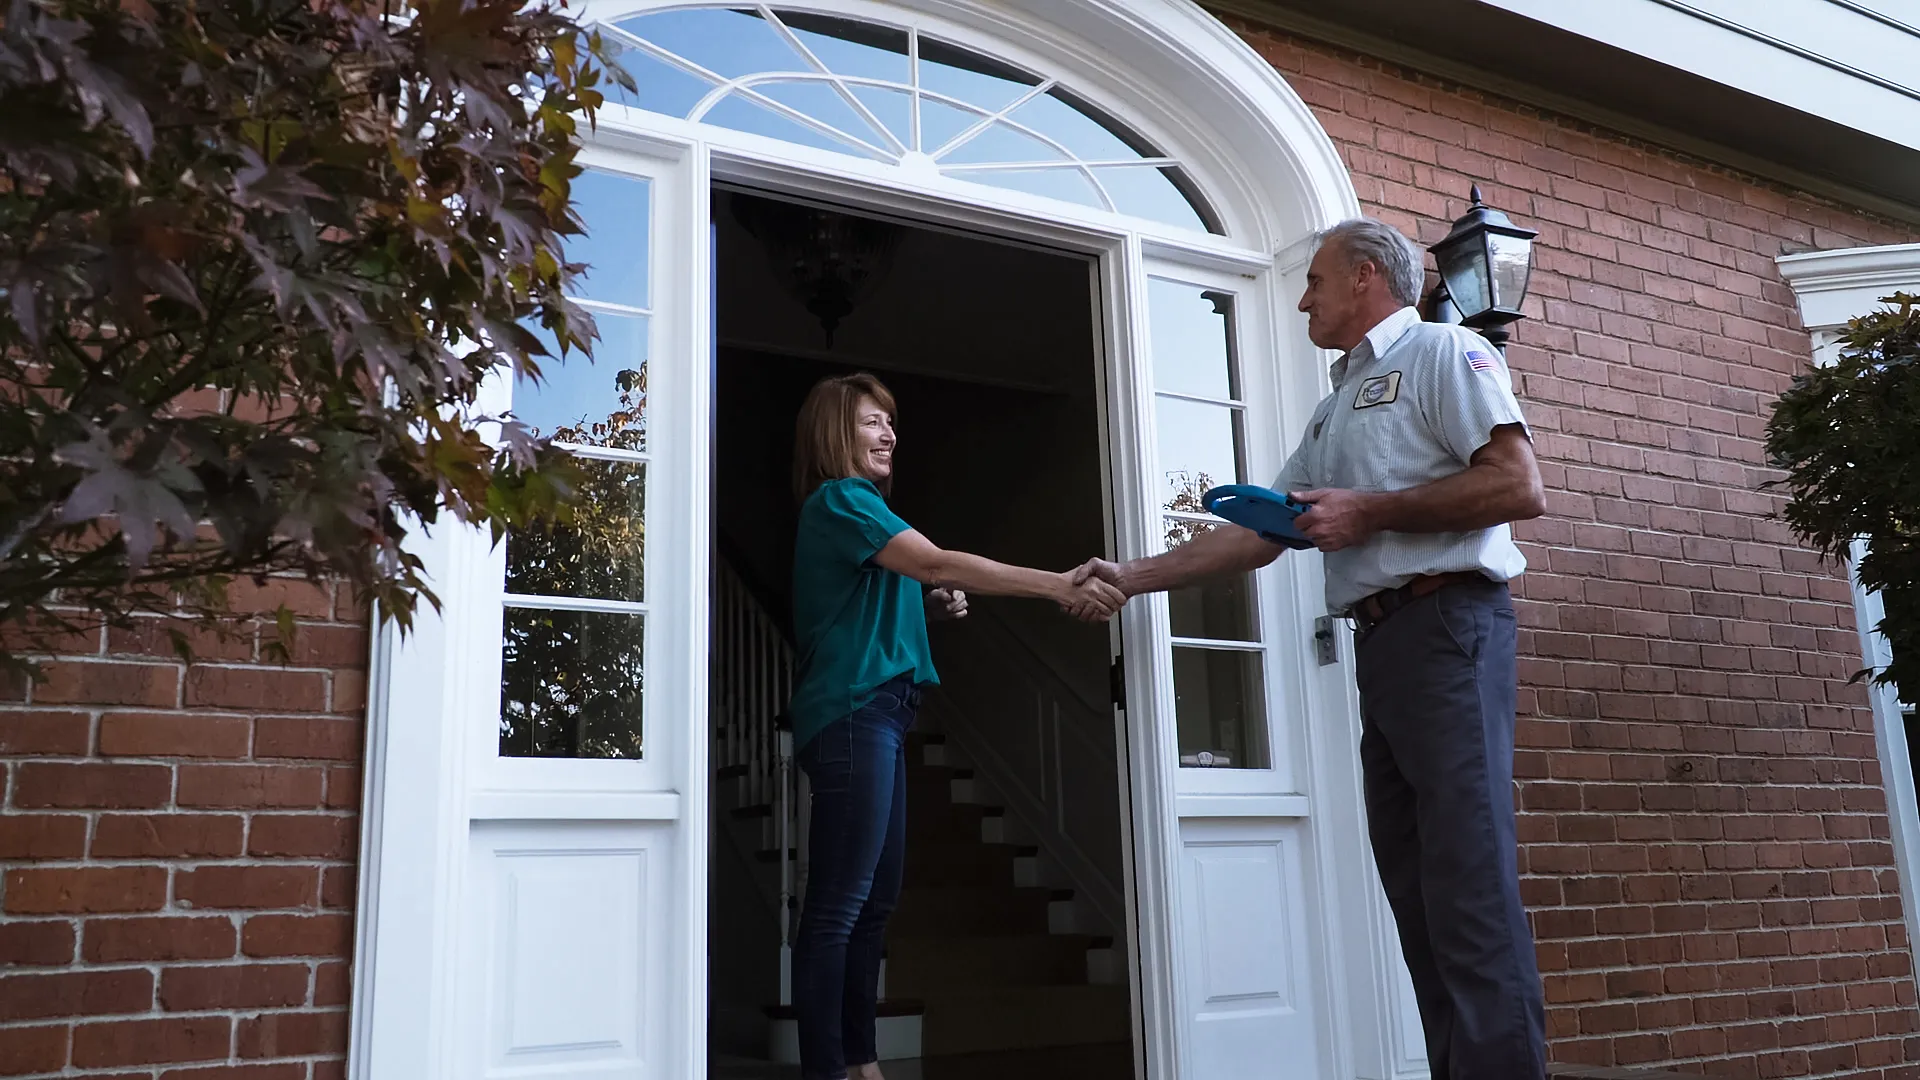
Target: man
(1414, 466)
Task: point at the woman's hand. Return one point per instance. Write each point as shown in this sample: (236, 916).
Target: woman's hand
(946, 604)
(913, 555)
(1093, 600)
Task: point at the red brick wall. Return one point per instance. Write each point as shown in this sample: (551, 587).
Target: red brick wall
(1704, 835)
(177, 846)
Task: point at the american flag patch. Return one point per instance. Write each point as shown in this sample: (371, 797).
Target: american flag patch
(1479, 361)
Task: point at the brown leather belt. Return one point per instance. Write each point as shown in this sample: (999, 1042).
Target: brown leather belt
(1372, 610)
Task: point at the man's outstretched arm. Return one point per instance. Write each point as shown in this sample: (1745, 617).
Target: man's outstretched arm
(1500, 485)
(1228, 549)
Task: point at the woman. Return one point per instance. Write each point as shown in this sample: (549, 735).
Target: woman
(861, 625)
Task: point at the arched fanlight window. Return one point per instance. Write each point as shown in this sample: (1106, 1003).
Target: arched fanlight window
(888, 93)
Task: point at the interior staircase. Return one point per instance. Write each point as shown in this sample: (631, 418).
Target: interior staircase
(986, 954)
(997, 956)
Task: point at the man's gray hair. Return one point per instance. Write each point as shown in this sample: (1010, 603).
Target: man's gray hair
(1387, 248)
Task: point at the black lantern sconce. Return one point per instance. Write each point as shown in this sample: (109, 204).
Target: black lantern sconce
(1484, 265)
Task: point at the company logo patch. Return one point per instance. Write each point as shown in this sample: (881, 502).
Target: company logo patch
(1383, 390)
(1479, 360)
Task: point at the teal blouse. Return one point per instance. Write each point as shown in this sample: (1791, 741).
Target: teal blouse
(857, 625)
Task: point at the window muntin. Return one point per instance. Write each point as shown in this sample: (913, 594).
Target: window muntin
(1200, 423)
(573, 645)
(888, 94)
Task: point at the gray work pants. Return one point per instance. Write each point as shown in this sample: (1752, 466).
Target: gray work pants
(1437, 684)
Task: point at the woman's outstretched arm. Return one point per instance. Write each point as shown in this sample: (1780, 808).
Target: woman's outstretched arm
(913, 555)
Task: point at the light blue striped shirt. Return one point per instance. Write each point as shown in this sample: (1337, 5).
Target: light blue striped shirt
(1410, 405)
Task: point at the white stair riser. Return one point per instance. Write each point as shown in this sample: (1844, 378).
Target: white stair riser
(975, 791)
(1063, 917)
(1026, 871)
(1106, 967)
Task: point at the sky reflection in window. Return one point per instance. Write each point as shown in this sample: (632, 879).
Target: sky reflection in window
(882, 92)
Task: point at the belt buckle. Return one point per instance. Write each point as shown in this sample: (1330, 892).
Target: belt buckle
(1369, 612)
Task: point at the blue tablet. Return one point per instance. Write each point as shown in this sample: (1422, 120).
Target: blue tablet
(1264, 510)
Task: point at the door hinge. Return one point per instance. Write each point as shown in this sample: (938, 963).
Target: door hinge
(1324, 648)
(1117, 683)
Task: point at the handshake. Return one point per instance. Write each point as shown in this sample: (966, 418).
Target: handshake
(1093, 591)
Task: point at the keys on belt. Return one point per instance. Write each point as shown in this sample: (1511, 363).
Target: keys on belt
(1373, 610)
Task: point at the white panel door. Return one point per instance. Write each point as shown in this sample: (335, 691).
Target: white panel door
(1251, 989)
(1234, 686)
(584, 711)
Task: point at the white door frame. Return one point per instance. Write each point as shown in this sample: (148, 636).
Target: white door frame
(1275, 179)
(432, 770)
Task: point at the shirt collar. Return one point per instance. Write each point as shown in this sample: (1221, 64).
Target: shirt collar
(1377, 341)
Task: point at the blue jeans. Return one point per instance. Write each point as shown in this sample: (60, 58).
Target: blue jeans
(856, 853)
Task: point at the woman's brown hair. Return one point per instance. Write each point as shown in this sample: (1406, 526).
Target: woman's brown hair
(824, 443)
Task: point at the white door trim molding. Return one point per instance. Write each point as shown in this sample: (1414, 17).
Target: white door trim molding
(1833, 287)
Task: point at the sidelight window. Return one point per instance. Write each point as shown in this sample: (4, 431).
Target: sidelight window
(1200, 407)
(573, 648)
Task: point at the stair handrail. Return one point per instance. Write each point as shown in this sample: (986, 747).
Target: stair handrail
(1037, 664)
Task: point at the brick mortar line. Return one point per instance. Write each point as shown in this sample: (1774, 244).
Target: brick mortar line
(1728, 996)
(1722, 1058)
(190, 1014)
(1697, 965)
(1690, 964)
(241, 1013)
(143, 1071)
(161, 967)
(148, 1072)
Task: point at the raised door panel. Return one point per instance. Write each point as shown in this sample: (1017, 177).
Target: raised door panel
(1247, 952)
(565, 949)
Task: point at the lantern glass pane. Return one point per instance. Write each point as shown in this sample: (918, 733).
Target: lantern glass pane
(1509, 257)
(1465, 270)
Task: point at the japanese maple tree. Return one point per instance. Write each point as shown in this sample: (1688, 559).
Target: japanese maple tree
(256, 258)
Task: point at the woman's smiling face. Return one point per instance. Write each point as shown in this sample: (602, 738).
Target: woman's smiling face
(874, 439)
